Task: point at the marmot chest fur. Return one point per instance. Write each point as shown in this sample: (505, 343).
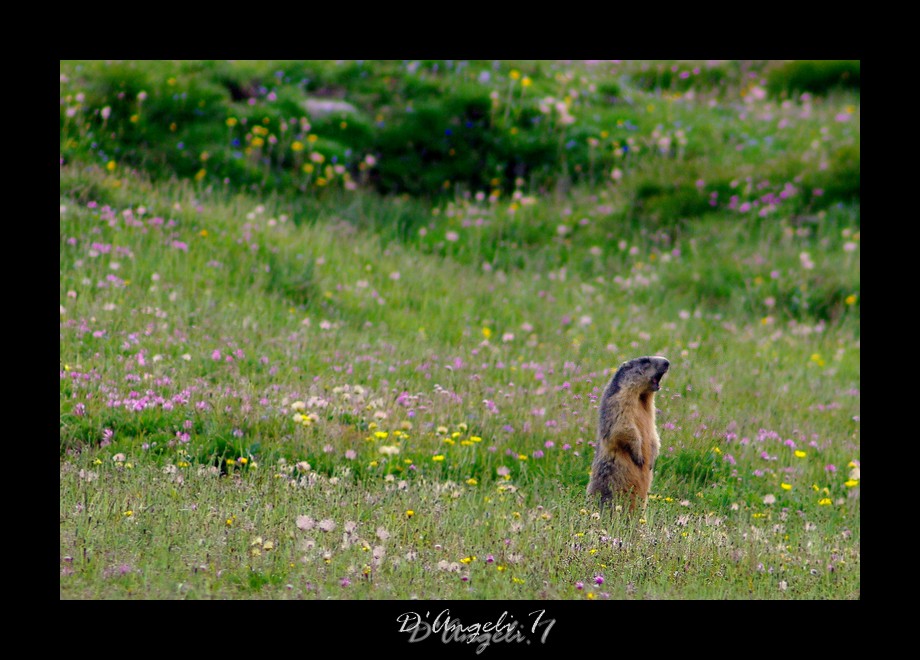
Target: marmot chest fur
(627, 439)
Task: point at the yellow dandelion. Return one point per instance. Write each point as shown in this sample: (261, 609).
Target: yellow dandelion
(410, 513)
(438, 458)
(203, 233)
(475, 438)
(785, 486)
(850, 300)
(467, 560)
(297, 146)
(800, 454)
(824, 501)
(128, 513)
(522, 457)
(200, 174)
(487, 332)
(232, 121)
(471, 482)
(230, 461)
(242, 460)
(526, 81)
(257, 142)
(110, 166)
(850, 483)
(312, 138)
(590, 595)
(515, 74)
(381, 435)
(307, 168)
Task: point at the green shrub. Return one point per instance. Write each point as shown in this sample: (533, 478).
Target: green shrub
(436, 128)
(815, 76)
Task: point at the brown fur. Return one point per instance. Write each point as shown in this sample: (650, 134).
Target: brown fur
(627, 438)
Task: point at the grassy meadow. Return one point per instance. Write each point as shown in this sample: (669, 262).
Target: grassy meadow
(339, 329)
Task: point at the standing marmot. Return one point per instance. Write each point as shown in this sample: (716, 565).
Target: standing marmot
(627, 440)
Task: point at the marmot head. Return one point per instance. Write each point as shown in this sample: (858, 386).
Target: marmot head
(642, 374)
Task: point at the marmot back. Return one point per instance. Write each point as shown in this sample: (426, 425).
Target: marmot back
(627, 439)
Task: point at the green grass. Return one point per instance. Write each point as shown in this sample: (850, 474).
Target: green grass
(238, 360)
